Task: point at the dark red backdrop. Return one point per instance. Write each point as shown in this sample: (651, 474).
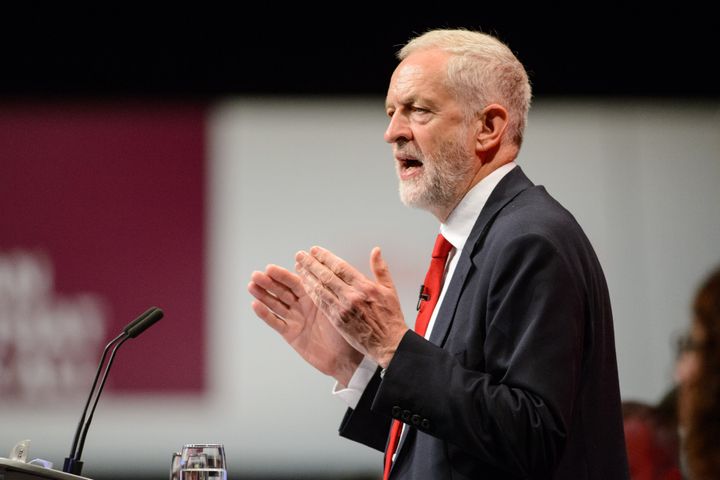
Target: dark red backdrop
(115, 195)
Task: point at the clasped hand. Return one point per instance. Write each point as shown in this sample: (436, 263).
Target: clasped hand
(329, 312)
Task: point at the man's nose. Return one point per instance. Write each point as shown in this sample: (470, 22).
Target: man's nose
(398, 129)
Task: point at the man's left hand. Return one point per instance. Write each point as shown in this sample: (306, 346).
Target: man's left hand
(366, 313)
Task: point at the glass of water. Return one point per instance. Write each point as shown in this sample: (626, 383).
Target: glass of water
(203, 461)
(175, 466)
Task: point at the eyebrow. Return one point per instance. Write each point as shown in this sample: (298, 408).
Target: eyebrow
(405, 102)
(411, 100)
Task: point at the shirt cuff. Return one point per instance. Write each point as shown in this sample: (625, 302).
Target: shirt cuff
(356, 386)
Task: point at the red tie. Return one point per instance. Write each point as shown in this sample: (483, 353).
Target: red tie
(429, 295)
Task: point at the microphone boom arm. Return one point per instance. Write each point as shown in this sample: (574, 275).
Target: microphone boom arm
(72, 462)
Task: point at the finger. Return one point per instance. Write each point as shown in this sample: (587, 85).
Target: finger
(287, 278)
(321, 272)
(380, 268)
(277, 288)
(322, 297)
(337, 265)
(269, 317)
(345, 298)
(269, 300)
(264, 281)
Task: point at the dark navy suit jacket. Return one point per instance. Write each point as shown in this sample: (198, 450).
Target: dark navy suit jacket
(519, 379)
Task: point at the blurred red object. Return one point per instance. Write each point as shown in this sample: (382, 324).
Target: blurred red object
(652, 442)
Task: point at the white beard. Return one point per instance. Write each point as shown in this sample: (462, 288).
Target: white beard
(442, 180)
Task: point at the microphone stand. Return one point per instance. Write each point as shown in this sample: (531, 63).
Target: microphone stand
(72, 462)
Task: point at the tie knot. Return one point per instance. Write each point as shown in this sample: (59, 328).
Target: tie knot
(442, 247)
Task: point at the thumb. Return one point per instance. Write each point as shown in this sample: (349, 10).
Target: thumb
(380, 268)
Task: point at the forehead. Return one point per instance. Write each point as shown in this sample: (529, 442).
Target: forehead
(421, 75)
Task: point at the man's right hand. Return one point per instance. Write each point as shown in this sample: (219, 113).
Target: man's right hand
(283, 304)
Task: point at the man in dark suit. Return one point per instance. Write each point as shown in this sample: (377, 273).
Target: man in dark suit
(515, 377)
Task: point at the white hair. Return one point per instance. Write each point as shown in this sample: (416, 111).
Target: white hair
(481, 71)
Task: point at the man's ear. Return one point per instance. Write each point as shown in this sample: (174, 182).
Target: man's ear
(492, 123)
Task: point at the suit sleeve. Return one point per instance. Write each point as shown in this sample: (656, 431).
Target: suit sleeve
(363, 425)
(511, 408)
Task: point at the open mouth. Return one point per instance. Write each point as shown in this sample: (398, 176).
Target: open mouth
(408, 167)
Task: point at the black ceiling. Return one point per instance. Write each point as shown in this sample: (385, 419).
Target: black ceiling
(584, 51)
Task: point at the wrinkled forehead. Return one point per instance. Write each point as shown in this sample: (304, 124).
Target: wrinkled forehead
(420, 72)
(406, 76)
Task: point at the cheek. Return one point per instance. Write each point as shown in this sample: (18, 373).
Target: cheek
(686, 368)
(423, 144)
(429, 139)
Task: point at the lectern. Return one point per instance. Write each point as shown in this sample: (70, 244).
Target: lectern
(16, 470)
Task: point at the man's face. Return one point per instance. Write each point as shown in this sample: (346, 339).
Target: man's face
(432, 141)
(687, 366)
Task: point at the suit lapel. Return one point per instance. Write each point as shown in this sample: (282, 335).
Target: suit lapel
(509, 187)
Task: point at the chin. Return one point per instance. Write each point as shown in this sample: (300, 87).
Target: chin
(425, 197)
(414, 196)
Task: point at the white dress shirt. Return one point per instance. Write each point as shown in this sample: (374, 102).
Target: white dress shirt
(456, 230)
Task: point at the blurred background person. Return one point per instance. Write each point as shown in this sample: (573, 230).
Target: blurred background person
(651, 437)
(698, 376)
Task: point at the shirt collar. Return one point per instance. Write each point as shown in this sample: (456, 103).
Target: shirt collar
(456, 229)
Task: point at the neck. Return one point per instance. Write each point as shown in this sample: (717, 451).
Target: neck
(485, 168)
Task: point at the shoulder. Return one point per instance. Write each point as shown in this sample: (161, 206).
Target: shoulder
(534, 213)
(534, 231)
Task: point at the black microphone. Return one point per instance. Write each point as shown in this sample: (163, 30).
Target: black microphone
(133, 329)
(422, 297)
(143, 322)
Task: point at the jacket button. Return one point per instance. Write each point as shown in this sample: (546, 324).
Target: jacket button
(396, 411)
(425, 424)
(415, 420)
(406, 415)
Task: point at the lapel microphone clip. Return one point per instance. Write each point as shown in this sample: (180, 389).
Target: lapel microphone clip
(422, 296)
